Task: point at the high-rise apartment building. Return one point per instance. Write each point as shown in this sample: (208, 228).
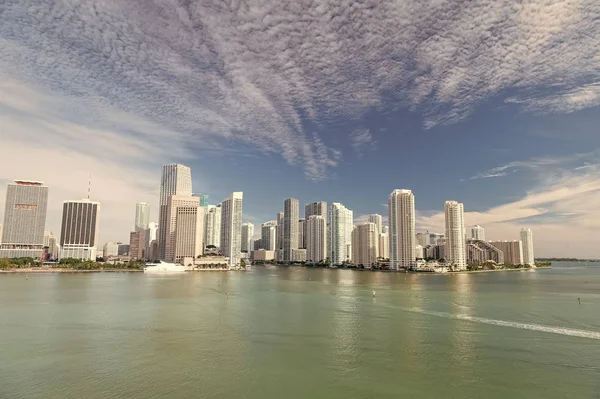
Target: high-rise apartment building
(231, 228)
(142, 216)
(176, 179)
(110, 249)
(136, 244)
(316, 208)
(268, 235)
(152, 231)
(51, 245)
(247, 236)
(279, 239)
(423, 239)
(212, 226)
(478, 233)
(301, 233)
(189, 229)
(341, 224)
(174, 202)
(384, 245)
(203, 199)
(419, 252)
(364, 244)
(378, 220)
(290, 228)
(527, 240)
(79, 229)
(316, 239)
(482, 251)
(401, 217)
(24, 220)
(455, 235)
(512, 250)
(436, 238)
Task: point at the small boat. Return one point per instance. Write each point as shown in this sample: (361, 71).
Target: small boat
(164, 268)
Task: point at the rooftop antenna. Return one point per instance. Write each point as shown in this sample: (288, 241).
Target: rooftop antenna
(89, 186)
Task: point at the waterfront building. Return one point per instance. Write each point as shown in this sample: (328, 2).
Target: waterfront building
(527, 240)
(247, 236)
(24, 220)
(455, 235)
(268, 234)
(401, 210)
(482, 251)
(176, 180)
(79, 229)
(301, 233)
(142, 216)
(152, 231)
(298, 255)
(263, 255)
(290, 228)
(419, 254)
(316, 239)
(384, 245)
(257, 244)
(478, 233)
(364, 244)
(189, 229)
(513, 251)
(136, 245)
(279, 239)
(423, 239)
(378, 220)
(231, 228)
(173, 203)
(212, 226)
(340, 236)
(123, 249)
(50, 245)
(110, 249)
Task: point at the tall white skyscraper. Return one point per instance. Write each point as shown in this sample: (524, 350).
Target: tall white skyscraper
(364, 244)
(527, 240)
(478, 233)
(24, 220)
(79, 230)
(301, 233)
(341, 224)
(176, 180)
(175, 202)
(401, 214)
(378, 220)
(231, 228)
(212, 226)
(152, 231)
(290, 228)
(316, 208)
(268, 235)
(247, 235)
(455, 235)
(316, 239)
(384, 245)
(423, 239)
(279, 239)
(142, 216)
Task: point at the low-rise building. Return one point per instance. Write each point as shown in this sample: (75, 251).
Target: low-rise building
(263, 255)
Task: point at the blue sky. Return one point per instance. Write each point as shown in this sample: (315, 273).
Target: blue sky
(492, 103)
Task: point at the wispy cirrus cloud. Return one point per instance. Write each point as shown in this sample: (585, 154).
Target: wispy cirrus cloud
(361, 140)
(252, 72)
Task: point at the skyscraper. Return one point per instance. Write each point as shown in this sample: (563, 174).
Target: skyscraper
(364, 244)
(79, 229)
(512, 250)
(527, 240)
(401, 213)
(378, 220)
(189, 229)
(290, 228)
(203, 199)
(268, 235)
(51, 244)
(247, 236)
(316, 239)
(316, 208)
(212, 229)
(279, 239)
(478, 233)
(136, 244)
(384, 245)
(455, 235)
(301, 233)
(152, 231)
(231, 228)
(176, 180)
(423, 239)
(340, 236)
(142, 216)
(24, 220)
(175, 202)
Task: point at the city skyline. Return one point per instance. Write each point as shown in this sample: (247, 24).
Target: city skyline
(437, 108)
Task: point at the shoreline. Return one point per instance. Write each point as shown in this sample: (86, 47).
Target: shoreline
(65, 270)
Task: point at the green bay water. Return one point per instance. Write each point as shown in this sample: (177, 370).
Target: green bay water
(301, 333)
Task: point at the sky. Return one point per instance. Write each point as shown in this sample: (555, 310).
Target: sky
(492, 103)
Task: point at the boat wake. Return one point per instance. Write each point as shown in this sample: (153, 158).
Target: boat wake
(503, 323)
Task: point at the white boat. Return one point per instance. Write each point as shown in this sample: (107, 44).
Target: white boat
(164, 268)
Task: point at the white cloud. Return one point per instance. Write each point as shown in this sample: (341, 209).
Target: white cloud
(361, 139)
